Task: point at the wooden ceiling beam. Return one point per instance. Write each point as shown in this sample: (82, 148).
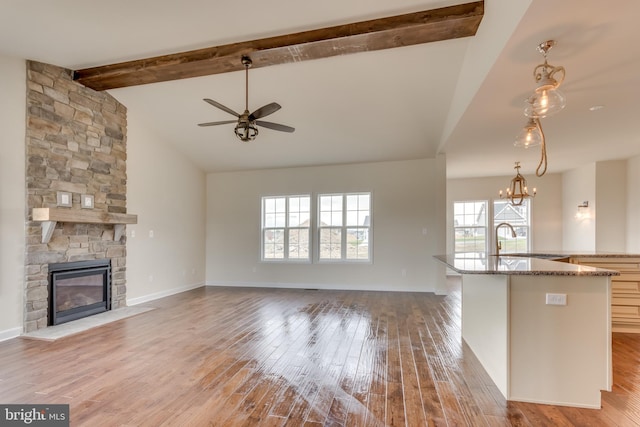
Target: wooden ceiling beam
(384, 33)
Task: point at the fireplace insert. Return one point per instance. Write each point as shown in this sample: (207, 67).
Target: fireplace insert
(78, 289)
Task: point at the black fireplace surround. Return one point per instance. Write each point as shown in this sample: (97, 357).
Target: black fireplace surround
(78, 289)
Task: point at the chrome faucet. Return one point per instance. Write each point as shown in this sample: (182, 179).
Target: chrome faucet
(498, 243)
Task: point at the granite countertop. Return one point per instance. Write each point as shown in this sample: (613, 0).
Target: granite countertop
(568, 254)
(521, 264)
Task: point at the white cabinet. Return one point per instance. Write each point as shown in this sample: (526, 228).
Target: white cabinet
(625, 289)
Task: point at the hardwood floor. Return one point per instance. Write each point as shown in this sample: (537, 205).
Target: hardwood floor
(272, 357)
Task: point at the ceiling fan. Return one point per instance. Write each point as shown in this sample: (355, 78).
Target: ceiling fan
(246, 128)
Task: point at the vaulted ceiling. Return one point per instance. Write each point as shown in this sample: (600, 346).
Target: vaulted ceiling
(460, 97)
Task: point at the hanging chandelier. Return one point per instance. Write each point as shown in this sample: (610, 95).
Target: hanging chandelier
(517, 190)
(546, 100)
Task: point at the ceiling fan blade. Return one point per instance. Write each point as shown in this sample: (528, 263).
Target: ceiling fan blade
(224, 122)
(220, 106)
(275, 126)
(265, 111)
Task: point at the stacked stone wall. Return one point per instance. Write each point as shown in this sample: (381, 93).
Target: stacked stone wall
(76, 143)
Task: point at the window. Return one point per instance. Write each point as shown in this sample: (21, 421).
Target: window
(286, 222)
(470, 228)
(473, 219)
(519, 218)
(344, 222)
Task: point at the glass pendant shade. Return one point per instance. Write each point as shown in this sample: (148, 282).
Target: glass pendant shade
(529, 136)
(545, 102)
(547, 98)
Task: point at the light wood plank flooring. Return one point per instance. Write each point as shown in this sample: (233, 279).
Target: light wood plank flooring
(273, 357)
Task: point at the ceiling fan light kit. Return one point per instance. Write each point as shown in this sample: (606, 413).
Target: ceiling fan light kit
(247, 124)
(246, 131)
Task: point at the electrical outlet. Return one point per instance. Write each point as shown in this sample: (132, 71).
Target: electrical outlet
(556, 299)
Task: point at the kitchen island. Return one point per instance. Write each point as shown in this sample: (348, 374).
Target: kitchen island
(540, 328)
(625, 287)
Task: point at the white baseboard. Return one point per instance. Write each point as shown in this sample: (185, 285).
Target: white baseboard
(7, 334)
(323, 286)
(162, 294)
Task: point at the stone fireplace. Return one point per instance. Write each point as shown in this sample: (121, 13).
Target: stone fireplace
(76, 146)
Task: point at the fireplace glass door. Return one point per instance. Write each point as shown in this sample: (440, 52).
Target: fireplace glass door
(78, 290)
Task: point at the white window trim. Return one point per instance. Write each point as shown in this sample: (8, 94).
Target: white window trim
(343, 259)
(286, 229)
(486, 227)
(529, 226)
(490, 229)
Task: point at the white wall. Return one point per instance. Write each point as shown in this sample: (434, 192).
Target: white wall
(578, 185)
(402, 195)
(609, 226)
(633, 205)
(611, 205)
(12, 194)
(484, 48)
(546, 207)
(167, 192)
(440, 218)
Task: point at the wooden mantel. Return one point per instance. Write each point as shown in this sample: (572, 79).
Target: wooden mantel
(49, 217)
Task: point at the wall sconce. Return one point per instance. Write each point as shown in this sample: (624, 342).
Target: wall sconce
(518, 190)
(583, 211)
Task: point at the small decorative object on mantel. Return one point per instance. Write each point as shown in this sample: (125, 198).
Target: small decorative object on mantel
(518, 190)
(86, 201)
(64, 199)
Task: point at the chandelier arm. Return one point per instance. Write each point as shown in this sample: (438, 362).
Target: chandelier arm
(543, 151)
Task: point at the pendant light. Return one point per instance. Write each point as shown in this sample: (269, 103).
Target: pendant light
(547, 98)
